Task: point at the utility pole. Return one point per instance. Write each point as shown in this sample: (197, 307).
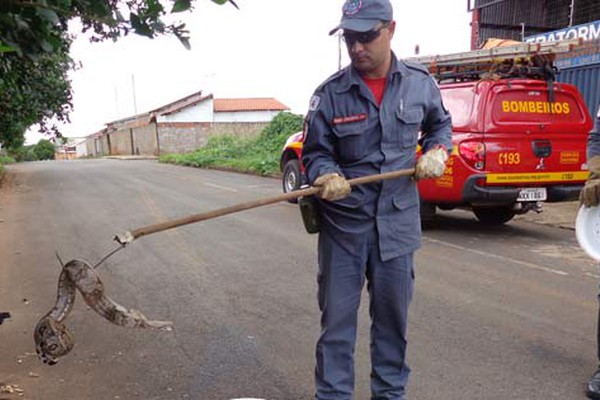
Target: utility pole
(133, 89)
(522, 31)
(339, 51)
(571, 12)
(117, 114)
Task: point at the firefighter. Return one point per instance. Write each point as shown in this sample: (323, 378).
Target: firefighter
(590, 196)
(365, 119)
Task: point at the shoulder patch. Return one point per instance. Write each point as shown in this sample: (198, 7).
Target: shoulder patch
(313, 105)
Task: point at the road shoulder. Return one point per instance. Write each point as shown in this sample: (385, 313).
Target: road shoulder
(561, 215)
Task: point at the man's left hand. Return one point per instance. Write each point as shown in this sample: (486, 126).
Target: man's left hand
(333, 187)
(431, 164)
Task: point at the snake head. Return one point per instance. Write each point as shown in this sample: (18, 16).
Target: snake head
(52, 340)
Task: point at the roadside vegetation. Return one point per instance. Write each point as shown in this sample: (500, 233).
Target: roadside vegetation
(257, 155)
(42, 150)
(5, 160)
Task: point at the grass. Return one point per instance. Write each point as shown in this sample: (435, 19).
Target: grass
(257, 155)
(4, 160)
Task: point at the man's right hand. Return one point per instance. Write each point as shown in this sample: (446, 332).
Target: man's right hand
(431, 164)
(590, 194)
(333, 187)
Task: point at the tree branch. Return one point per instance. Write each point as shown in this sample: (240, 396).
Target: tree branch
(33, 4)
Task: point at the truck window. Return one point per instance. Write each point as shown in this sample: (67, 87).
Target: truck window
(459, 102)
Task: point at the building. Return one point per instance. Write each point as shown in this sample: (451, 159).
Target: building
(547, 20)
(183, 125)
(71, 149)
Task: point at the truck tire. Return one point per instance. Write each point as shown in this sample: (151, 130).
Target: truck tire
(494, 215)
(291, 179)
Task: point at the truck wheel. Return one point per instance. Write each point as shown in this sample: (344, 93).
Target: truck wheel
(291, 178)
(494, 215)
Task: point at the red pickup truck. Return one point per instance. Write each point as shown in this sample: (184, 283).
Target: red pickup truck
(518, 141)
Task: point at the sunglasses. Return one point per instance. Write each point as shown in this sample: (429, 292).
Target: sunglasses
(351, 37)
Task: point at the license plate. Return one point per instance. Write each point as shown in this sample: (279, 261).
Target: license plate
(532, 194)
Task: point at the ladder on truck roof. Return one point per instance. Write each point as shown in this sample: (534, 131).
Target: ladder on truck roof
(532, 60)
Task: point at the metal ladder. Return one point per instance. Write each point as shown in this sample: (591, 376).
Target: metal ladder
(524, 59)
(499, 54)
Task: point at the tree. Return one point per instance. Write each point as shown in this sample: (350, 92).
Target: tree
(44, 150)
(33, 91)
(34, 52)
(34, 27)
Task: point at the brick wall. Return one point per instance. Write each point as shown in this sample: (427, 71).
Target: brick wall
(238, 129)
(97, 146)
(144, 140)
(120, 142)
(186, 137)
(173, 137)
(182, 137)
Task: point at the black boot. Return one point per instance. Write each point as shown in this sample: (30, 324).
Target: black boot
(593, 386)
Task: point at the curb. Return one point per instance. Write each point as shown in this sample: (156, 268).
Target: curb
(130, 158)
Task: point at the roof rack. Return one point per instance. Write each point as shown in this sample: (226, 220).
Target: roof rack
(532, 60)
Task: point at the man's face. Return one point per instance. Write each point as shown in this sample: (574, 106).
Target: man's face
(370, 51)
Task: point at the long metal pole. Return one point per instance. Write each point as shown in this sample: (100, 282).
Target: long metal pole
(133, 234)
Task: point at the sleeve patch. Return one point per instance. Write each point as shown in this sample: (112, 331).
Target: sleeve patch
(314, 103)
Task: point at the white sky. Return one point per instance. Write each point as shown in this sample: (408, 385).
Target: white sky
(268, 48)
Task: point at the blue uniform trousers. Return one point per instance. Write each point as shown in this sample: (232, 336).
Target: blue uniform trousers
(390, 284)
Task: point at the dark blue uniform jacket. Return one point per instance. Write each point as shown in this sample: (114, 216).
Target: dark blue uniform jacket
(347, 132)
(593, 146)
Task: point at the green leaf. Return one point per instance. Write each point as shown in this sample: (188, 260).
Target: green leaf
(153, 8)
(46, 46)
(6, 49)
(181, 5)
(48, 15)
(140, 27)
(221, 2)
(185, 41)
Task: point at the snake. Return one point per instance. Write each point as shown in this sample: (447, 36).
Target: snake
(53, 339)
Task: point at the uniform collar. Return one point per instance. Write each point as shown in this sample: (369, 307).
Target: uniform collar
(352, 78)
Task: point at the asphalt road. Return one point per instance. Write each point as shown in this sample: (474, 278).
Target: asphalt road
(504, 313)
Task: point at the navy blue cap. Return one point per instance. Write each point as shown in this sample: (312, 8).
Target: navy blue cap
(363, 15)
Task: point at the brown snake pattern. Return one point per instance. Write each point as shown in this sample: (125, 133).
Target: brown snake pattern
(52, 338)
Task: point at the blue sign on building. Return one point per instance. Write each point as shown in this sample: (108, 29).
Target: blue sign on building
(586, 54)
(588, 32)
(581, 67)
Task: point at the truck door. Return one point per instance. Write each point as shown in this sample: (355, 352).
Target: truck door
(534, 135)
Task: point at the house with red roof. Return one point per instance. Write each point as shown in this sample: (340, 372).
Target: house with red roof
(183, 125)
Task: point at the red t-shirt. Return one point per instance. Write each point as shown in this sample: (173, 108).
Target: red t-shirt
(377, 87)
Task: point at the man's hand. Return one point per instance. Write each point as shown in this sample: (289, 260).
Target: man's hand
(590, 194)
(333, 187)
(431, 164)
